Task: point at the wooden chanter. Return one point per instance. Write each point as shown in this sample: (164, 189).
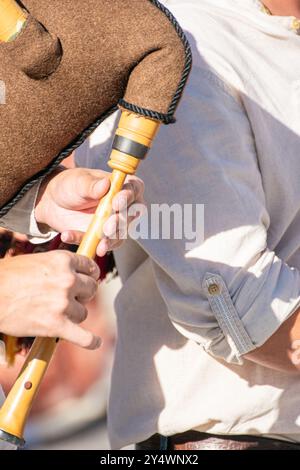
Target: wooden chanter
(134, 137)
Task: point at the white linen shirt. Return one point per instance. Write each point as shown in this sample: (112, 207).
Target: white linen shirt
(178, 362)
(235, 148)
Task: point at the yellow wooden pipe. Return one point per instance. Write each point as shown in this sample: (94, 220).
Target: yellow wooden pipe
(16, 408)
(12, 19)
(138, 129)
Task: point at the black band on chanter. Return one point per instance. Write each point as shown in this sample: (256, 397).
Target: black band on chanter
(130, 147)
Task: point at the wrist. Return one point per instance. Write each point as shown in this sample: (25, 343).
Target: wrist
(39, 210)
(42, 199)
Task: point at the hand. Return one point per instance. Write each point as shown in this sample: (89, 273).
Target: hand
(68, 199)
(282, 350)
(45, 295)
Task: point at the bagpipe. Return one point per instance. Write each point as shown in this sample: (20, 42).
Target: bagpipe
(66, 65)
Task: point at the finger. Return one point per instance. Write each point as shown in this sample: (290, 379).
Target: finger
(111, 227)
(132, 192)
(77, 335)
(103, 247)
(116, 227)
(77, 313)
(85, 288)
(83, 265)
(72, 237)
(114, 244)
(137, 210)
(106, 245)
(120, 235)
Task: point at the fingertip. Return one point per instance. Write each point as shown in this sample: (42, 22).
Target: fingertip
(95, 344)
(110, 228)
(66, 237)
(100, 252)
(102, 248)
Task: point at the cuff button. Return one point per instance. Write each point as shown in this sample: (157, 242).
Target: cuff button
(214, 289)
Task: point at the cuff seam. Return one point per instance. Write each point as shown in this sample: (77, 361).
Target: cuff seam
(226, 314)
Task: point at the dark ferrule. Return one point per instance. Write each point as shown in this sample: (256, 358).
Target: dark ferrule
(130, 147)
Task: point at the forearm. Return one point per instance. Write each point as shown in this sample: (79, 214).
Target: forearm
(281, 351)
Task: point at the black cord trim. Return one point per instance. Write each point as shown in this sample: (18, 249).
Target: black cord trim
(165, 118)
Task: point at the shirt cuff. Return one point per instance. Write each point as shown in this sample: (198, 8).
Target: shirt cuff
(256, 310)
(244, 315)
(21, 218)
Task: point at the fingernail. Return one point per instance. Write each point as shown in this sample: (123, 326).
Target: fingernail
(94, 268)
(65, 237)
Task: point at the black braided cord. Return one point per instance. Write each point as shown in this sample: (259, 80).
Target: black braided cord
(167, 118)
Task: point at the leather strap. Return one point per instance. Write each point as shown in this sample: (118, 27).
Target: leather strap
(193, 440)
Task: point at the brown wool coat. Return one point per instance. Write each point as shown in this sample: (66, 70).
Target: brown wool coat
(70, 67)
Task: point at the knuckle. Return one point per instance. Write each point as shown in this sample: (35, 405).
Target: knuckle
(62, 305)
(69, 281)
(80, 316)
(54, 326)
(65, 258)
(92, 288)
(132, 188)
(54, 256)
(94, 270)
(84, 315)
(140, 185)
(137, 186)
(90, 263)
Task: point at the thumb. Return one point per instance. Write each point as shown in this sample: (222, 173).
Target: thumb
(91, 187)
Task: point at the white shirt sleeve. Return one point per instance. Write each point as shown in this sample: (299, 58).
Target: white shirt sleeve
(21, 218)
(230, 292)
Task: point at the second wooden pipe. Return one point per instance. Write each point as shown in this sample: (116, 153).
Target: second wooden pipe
(12, 19)
(133, 139)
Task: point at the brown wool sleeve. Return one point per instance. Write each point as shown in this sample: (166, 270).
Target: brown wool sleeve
(73, 63)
